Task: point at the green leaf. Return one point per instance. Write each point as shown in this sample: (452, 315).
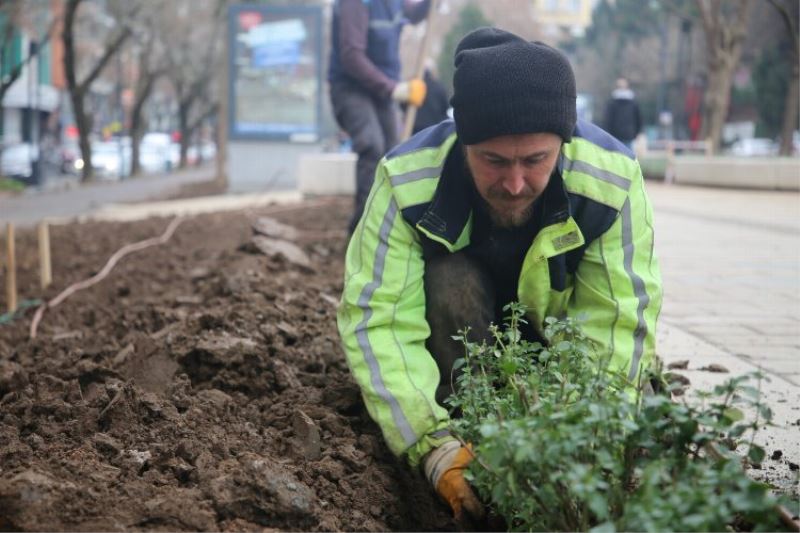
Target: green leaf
(563, 346)
(756, 454)
(509, 366)
(605, 527)
(733, 414)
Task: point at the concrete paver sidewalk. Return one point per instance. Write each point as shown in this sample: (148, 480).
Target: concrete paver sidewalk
(730, 261)
(28, 209)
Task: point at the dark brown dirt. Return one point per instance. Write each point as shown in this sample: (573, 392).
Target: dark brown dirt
(201, 386)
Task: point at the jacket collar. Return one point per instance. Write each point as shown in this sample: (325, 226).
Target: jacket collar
(448, 217)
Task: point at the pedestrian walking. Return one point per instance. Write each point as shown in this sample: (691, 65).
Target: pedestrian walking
(623, 119)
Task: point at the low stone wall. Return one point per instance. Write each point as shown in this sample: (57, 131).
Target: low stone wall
(781, 173)
(334, 173)
(327, 173)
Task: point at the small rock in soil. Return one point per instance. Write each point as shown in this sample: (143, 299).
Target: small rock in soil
(777, 454)
(678, 383)
(285, 376)
(106, 444)
(793, 466)
(30, 501)
(307, 434)
(272, 228)
(258, 490)
(199, 273)
(289, 251)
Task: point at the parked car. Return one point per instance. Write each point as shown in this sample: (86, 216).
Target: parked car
(16, 160)
(111, 160)
(754, 147)
(154, 159)
(208, 151)
(154, 153)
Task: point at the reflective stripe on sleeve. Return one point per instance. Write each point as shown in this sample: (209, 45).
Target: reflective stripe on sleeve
(603, 175)
(639, 289)
(364, 299)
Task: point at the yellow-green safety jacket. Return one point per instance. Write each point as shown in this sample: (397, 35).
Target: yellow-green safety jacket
(593, 257)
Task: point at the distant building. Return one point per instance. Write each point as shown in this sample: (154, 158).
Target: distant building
(35, 95)
(560, 19)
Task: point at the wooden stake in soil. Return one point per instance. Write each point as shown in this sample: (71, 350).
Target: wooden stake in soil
(45, 267)
(11, 270)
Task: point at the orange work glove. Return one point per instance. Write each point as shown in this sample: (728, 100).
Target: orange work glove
(444, 468)
(412, 92)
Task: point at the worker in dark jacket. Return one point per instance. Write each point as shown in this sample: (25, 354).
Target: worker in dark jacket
(434, 108)
(622, 114)
(364, 78)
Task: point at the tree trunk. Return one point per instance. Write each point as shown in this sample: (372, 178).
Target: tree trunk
(137, 121)
(137, 132)
(717, 100)
(183, 125)
(78, 90)
(724, 39)
(76, 94)
(84, 124)
(791, 111)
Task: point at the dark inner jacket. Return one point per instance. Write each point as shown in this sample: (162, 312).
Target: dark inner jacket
(502, 251)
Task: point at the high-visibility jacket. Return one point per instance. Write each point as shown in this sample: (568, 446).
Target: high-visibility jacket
(592, 258)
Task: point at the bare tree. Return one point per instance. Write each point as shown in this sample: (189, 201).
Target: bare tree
(151, 66)
(78, 89)
(190, 72)
(725, 27)
(793, 93)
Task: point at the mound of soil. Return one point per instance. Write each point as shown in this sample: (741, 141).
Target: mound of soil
(200, 386)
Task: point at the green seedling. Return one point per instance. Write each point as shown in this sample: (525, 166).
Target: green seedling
(564, 444)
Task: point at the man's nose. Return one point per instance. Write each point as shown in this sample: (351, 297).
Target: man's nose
(514, 181)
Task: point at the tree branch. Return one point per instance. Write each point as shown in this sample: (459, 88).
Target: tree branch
(209, 112)
(789, 22)
(111, 49)
(69, 44)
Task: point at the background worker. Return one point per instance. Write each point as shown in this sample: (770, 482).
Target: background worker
(436, 104)
(623, 119)
(514, 199)
(364, 78)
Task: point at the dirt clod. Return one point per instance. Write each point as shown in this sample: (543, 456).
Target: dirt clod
(205, 390)
(716, 368)
(679, 365)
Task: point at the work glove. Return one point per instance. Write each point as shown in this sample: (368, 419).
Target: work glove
(444, 468)
(411, 92)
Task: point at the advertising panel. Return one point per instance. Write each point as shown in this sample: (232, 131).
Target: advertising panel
(275, 72)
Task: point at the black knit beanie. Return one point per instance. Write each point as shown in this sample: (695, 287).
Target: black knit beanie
(505, 85)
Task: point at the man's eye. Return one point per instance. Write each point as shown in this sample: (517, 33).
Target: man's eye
(496, 162)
